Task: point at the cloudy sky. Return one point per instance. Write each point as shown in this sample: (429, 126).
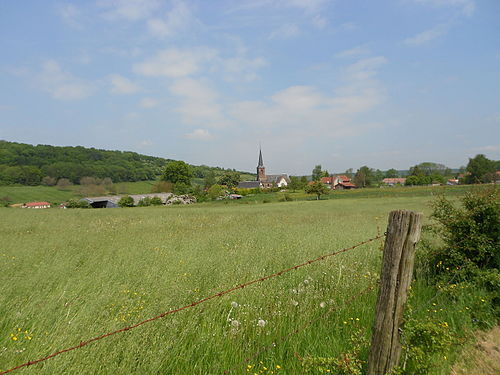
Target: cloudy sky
(341, 83)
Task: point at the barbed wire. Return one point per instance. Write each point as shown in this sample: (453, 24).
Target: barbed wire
(300, 329)
(170, 312)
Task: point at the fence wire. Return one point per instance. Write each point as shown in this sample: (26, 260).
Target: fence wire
(196, 303)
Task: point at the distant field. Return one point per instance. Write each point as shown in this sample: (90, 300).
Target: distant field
(69, 275)
(22, 194)
(52, 194)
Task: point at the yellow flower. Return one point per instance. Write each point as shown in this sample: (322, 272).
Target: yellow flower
(278, 367)
(14, 338)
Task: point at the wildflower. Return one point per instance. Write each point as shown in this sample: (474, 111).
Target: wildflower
(234, 304)
(295, 303)
(278, 367)
(322, 305)
(235, 323)
(261, 323)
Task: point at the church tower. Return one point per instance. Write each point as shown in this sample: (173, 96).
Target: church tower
(261, 170)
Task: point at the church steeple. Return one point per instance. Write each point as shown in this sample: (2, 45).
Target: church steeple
(261, 170)
(261, 163)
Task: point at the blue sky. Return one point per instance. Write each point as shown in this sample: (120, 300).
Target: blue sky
(387, 83)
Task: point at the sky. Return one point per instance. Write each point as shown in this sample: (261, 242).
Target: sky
(341, 83)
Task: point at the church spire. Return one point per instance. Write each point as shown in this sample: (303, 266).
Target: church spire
(261, 163)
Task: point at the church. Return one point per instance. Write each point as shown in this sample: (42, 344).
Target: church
(265, 181)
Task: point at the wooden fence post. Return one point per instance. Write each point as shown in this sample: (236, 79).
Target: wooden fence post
(403, 232)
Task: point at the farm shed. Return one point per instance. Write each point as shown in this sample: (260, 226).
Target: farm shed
(103, 202)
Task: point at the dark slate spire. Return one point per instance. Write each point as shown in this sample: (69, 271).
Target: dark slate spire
(261, 163)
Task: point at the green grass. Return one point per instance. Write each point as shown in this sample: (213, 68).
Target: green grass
(52, 194)
(70, 275)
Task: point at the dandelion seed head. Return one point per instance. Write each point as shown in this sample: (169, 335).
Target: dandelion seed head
(261, 323)
(235, 323)
(322, 305)
(234, 304)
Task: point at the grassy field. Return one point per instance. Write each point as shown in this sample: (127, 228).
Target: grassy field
(52, 194)
(70, 275)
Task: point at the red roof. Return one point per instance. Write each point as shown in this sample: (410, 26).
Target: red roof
(395, 180)
(348, 184)
(344, 178)
(35, 204)
(327, 180)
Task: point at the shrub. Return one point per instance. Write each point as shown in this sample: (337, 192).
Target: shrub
(126, 201)
(144, 202)
(75, 203)
(471, 235)
(156, 201)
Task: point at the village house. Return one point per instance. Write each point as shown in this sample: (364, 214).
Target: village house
(36, 205)
(265, 181)
(394, 181)
(340, 182)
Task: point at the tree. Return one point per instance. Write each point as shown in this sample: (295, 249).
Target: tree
(231, 179)
(126, 201)
(391, 173)
(49, 181)
(303, 182)
(317, 188)
(412, 180)
(177, 172)
(63, 183)
(317, 173)
(209, 179)
(363, 177)
(480, 170)
(215, 191)
(295, 183)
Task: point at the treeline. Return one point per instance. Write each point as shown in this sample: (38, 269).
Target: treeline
(27, 164)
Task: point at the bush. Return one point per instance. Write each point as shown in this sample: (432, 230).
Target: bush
(156, 201)
(471, 236)
(126, 201)
(144, 202)
(74, 203)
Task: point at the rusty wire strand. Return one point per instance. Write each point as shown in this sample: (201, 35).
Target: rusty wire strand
(170, 312)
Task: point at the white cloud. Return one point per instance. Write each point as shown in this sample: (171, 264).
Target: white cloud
(242, 68)
(198, 103)
(179, 18)
(427, 36)
(467, 7)
(62, 85)
(199, 134)
(298, 112)
(70, 15)
(148, 103)
(122, 85)
(353, 52)
(131, 10)
(285, 32)
(176, 63)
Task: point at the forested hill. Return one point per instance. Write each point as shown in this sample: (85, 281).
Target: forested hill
(26, 164)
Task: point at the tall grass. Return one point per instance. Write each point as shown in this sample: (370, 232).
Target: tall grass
(69, 275)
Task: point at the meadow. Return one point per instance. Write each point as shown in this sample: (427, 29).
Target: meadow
(70, 275)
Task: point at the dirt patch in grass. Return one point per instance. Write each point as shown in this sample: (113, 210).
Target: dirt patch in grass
(481, 358)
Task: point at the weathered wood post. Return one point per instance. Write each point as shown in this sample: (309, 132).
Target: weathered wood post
(403, 232)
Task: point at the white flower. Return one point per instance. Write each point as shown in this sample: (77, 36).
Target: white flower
(295, 303)
(261, 323)
(234, 304)
(322, 305)
(235, 323)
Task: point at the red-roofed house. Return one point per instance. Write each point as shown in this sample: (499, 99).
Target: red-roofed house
(394, 181)
(36, 205)
(338, 182)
